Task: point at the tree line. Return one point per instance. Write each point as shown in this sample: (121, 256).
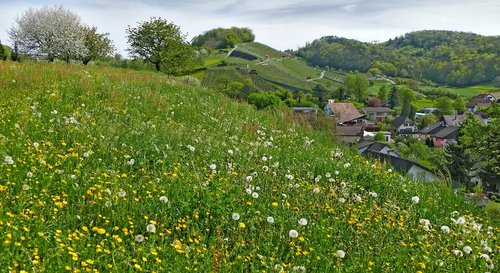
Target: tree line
(444, 57)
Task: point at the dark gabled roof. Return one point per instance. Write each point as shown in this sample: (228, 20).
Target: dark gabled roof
(432, 128)
(365, 143)
(372, 145)
(377, 147)
(349, 131)
(400, 121)
(377, 110)
(447, 133)
(398, 163)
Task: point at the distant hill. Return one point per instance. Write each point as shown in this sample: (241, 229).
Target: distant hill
(223, 37)
(268, 69)
(444, 57)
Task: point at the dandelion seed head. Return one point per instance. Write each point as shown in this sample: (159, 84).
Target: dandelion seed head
(415, 199)
(467, 249)
(255, 195)
(8, 160)
(293, 233)
(445, 229)
(341, 254)
(139, 238)
(270, 219)
(303, 221)
(164, 199)
(235, 216)
(151, 228)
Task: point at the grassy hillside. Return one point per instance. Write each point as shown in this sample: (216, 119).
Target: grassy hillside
(109, 170)
(278, 69)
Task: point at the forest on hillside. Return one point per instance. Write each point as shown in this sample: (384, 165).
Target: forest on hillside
(444, 57)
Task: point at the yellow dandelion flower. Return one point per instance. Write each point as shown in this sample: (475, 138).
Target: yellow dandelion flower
(241, 225)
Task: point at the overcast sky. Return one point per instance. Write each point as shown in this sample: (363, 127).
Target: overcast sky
(281, 24)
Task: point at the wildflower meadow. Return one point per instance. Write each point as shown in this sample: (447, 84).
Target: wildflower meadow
(110, 170)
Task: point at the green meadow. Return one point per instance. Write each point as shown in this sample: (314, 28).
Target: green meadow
(114, 170)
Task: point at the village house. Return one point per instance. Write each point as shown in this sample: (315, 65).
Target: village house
(374, 146)
(482, 100)
(424, 111)
(344, 112)
(410, 168)
(378, 114)
(445, 136)
(349, 134)
(404, 126)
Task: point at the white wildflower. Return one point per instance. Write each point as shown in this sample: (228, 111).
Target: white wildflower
(293, 233)
(270, 219)
(255, 195)
(131, 162)
(303, 221)
(457, 253)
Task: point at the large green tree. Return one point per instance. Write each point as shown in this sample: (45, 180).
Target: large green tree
(444, 106)
(357, 85)
(482, 144)
(161, 43)
(3, 52)
(98, 45)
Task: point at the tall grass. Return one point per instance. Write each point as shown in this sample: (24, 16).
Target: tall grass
(107, 170)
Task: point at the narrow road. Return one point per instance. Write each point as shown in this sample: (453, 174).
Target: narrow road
(320, 76)
(234, 48)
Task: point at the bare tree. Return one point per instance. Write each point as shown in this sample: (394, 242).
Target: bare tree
(49, 32)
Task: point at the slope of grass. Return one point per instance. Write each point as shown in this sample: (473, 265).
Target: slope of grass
(261, 50)
(108, 170)
(470, 91)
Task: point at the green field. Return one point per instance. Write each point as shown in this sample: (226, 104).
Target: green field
(476, 89)
(112, 170)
